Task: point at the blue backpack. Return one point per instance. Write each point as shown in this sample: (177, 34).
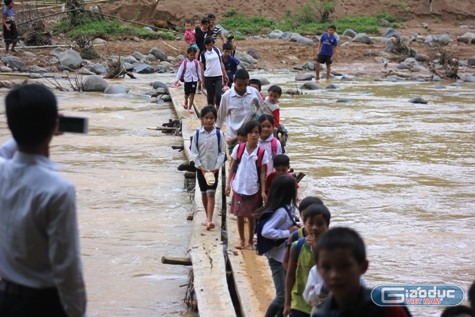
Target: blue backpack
(264, 244)
(196, 136)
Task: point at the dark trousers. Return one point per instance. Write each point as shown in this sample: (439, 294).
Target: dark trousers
(22, 301)
(214, 88)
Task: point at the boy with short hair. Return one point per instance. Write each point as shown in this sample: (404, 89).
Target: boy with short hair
(326, 51)
(281, 167)
(271, 105)
(316, 220)
(230, 63)
(256, 83)
(340, 256)
(238, 106)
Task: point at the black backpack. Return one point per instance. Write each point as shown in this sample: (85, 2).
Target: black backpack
(264, 244)
(203, 58)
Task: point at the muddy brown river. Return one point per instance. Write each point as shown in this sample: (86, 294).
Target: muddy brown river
(402, 174)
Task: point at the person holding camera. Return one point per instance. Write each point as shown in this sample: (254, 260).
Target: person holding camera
(40, 263)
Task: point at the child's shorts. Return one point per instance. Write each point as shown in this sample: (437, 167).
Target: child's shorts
(324, 59)
(190, 88)
(204, 187)
(244, 205)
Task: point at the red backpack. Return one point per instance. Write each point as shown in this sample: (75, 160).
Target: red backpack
(260, 156)
(182, 77)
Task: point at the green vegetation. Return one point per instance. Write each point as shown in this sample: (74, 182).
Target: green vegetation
(300, 24)
(106, 29)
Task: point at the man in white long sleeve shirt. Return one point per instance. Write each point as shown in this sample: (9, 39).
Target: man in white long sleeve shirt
(40, 266)
(238, 106)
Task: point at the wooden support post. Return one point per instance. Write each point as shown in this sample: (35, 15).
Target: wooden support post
(176, 260)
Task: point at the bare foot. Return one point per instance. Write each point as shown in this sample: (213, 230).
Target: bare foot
(241, 246)
(13, 50)
(250, 246)
(210, 226)
(190, 111)
(204, 224)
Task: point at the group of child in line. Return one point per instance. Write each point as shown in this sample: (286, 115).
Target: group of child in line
(259, 173)
(205, 63)
(250, 129)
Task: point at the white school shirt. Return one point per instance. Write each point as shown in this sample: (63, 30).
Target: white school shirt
(8, 149)
(245, 180)
(39, 240)
(208, 153)
(213, 63)
(314, 286)
(192, 73)
(267, 145)
(236, 110)
(277, 227)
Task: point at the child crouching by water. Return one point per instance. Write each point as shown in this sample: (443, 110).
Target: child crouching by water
(208, 150)
(247, 178)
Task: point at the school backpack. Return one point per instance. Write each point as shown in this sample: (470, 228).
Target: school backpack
(298, 247)
(196, 137)
(260, 156)
(264, 244)
(182, 77)
(203, 58)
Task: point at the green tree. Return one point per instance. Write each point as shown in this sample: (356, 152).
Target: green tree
(317, 11)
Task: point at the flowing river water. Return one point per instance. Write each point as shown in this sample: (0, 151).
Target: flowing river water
(402, 174)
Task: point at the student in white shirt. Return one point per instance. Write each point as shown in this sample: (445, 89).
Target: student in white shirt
(238, 106)
(213, 72)
(190, 73)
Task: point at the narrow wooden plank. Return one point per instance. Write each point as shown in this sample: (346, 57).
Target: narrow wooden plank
(251, 273)
(206, 250)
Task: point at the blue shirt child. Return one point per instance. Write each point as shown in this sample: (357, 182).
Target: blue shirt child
(327, 44)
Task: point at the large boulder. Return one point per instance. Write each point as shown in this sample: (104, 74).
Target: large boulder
(362, 38)
(391, 33)
(264, 81)
(97, 69)
(350, 33)
(144, 69)
(469, 78)
(244, 57)
(13, 62)
(467, 38)
(158, 53)
(304, 77)
(254, 53)
(309, 86)
(71, 59)
(128, 59)
(116, 89)
(94, 83)
(276, 34)
(159, 84)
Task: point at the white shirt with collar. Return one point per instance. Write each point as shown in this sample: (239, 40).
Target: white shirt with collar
(213, 63)
(246, 178)
(267, 145)
(192, 71)
(39, 240)
(208, 153)
(237, 109)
